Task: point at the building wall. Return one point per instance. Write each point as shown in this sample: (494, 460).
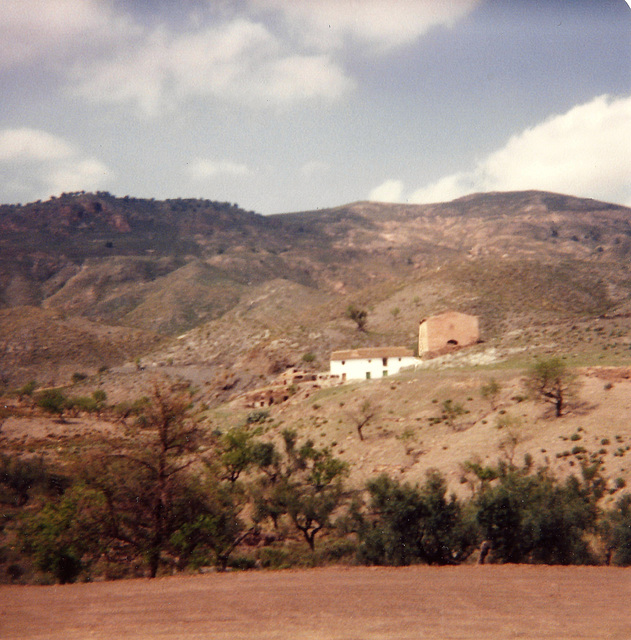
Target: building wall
(447, 330)
(358, 368)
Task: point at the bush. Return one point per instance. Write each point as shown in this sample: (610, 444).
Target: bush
(28, 389)
(273, 558)
(254, 417)
(242, 563)
(52, 401)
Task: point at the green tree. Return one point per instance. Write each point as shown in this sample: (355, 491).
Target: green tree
(390, 533)
(532, 517)
(358, 316)
(551, 381)
(66, 536)
(615, 529)
(240, 451)
(306, 484)
(407, 524)
(210, 522)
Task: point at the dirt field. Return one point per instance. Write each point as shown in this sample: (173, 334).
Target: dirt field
(477, 603)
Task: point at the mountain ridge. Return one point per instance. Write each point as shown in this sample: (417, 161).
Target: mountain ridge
(174, 267)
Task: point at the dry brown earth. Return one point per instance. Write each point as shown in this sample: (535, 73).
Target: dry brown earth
(416, 603)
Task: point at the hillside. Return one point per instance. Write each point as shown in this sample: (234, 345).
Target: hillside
(107, 297)
(268, 290)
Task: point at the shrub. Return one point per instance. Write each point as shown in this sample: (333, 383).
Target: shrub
(52, 401)
(28, 389)
(273, 558)
(260, 415)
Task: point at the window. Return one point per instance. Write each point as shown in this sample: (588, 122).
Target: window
(343, 361)
(384, 361)
(367, 375)
(385, 373)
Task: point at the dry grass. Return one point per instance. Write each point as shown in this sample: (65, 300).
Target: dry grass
(491, 602)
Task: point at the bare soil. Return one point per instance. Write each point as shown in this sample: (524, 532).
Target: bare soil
(472, 602)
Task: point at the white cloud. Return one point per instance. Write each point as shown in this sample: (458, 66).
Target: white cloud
(325, 23)
(584, 152)
(51, 30)
(31, 144)
(237, 61)
(78, 174)
(35, 164)
(203, 169)
(389, 191)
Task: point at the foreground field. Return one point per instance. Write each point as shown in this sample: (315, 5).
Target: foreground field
(473, 602)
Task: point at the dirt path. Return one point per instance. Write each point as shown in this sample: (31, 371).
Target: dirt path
(418, 603)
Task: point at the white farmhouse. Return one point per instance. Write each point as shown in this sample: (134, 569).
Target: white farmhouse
(364, 364)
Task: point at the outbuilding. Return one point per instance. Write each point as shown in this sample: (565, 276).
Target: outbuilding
(447, 331)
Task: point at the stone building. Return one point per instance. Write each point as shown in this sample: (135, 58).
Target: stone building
(447, 331)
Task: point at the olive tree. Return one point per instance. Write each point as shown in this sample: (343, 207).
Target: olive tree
(304, 483)
(551, 381)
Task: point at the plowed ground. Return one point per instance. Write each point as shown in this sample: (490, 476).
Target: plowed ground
(417, 603)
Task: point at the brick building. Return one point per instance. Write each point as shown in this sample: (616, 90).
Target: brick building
(447, 331)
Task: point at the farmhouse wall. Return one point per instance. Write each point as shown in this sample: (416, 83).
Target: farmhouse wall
(357, 364)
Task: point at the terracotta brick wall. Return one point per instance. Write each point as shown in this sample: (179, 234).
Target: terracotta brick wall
(450, 329)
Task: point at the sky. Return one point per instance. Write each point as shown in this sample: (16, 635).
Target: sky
(295, 105)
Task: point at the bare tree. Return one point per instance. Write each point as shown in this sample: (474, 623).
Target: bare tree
(140, 475)
(364, 413)
(491, 392)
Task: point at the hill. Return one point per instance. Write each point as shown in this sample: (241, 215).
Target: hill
(125, 292)
(238, 281)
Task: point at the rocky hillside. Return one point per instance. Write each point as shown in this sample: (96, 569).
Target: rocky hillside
(244, 292)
